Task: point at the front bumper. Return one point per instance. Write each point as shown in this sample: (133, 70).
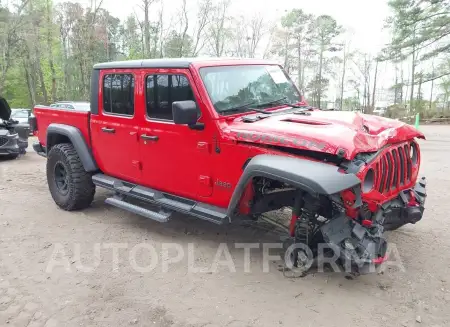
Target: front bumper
(10, 145)
(407, 208)
(360, 245)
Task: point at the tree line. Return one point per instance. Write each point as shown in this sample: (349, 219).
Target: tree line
(48, 50)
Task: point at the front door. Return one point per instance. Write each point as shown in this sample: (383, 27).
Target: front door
(115, 130)
(175, 158)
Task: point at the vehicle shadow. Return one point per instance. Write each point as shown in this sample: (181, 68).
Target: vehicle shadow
(265, 242)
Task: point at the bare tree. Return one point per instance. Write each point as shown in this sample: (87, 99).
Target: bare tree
(374, 86)
(432, 85)
(205, 8)
(255, 30)
(363, 63)
(161, 30)
(324, 30)
(271, 31)
(218, 31)
(185, 23)
(247, 35)
(346, 53)
(146, 26)
(239, 41)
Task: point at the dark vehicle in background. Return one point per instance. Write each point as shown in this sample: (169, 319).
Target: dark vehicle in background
(13, 134)
(22, 116)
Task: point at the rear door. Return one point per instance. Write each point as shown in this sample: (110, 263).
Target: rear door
(115, 128)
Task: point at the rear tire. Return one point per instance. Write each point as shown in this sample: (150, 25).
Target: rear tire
(70, 185)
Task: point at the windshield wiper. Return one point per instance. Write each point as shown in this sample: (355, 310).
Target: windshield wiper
(254, 103)
(271, 102)
(245, 107)
(286, 104)
(296, 106)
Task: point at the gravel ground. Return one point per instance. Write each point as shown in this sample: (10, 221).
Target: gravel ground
(61, 269)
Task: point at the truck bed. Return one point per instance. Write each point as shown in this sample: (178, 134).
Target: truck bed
(47, 115)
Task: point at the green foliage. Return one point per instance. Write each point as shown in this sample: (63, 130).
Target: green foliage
(176, 46)
(419, 25)
(15, 88)
(351, 104)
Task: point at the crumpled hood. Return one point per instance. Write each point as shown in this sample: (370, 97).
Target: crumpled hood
(5, 109)
(333, 132)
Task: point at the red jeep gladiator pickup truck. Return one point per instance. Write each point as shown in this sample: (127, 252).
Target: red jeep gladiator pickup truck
(222, 139)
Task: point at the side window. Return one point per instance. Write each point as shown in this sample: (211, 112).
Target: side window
(162, 90)
(118, 94)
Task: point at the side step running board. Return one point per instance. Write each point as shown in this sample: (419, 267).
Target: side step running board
(169, 202)
(161, 216)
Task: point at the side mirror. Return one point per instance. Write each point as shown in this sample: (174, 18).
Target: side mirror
(184, 112)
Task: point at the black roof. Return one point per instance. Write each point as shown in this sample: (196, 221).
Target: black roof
(158, 63)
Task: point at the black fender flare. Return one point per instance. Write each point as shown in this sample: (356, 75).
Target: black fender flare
(76, 138)
(317, 178)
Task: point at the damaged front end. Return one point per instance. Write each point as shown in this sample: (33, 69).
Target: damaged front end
(352, 222)
(356, 242)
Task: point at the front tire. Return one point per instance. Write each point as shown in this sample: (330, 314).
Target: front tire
(70, 185)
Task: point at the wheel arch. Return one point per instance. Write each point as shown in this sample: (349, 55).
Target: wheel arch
(311, 176)
(60, 133)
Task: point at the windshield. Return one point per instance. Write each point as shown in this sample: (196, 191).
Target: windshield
(239, 88)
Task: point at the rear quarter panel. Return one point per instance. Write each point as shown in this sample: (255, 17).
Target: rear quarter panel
(46, 116)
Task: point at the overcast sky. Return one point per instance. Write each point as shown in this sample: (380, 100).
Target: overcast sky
(364, 17)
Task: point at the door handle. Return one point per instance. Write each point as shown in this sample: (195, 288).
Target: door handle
(108, 130)
(149, 137)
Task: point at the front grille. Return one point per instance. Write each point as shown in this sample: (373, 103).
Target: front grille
(3, 141)
(394, 169)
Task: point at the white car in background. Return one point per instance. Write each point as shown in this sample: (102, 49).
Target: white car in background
(21, 115)
(75, 105)
(380, 111)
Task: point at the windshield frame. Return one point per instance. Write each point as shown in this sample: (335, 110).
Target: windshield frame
(270, 108)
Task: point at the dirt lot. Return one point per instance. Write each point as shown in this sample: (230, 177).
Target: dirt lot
(59, 269)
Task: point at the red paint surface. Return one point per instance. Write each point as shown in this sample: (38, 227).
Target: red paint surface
(185, 162)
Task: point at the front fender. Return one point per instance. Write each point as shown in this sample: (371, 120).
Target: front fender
(311, 176)
(76, 138)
